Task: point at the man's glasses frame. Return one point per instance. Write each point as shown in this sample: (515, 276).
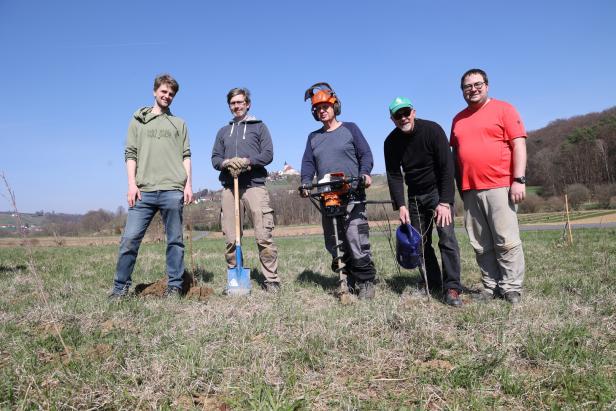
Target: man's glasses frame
(478, 85)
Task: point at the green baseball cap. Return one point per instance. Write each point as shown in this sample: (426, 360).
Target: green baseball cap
(398, 103)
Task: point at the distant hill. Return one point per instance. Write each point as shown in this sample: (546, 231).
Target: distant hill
(577, 150)
(34, 223)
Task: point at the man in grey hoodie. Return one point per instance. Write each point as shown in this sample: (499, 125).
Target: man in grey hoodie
(244, 147)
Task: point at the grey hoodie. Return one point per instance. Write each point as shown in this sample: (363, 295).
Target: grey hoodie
(247, 138)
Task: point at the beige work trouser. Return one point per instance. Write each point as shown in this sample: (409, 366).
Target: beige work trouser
(257, 202)
(491, 222)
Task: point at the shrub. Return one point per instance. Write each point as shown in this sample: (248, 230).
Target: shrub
(531, 204)
(554, 203)
(577, 194)
(604, 193)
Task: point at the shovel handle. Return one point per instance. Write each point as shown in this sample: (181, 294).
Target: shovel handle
(236, 199)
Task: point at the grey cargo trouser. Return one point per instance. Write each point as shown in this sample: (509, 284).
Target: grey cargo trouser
(492, 225)
(354, 233)
(257, 202)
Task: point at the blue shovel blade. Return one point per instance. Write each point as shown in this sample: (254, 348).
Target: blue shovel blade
(238, 277)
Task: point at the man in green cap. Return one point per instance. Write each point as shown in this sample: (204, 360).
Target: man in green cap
(417, 153)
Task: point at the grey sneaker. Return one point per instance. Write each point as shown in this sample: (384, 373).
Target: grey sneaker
(272, 287)
(172, 292)
(366, 290)
(117, 295)
(513, 297)
(482, 296)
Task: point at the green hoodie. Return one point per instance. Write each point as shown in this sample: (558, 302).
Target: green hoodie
(159, 144)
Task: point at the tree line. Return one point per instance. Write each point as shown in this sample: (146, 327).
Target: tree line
(578, 150)
(575, 156)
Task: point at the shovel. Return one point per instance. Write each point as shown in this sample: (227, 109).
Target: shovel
(238, 277)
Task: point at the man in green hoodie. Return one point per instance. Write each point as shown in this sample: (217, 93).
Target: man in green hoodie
(158, 166)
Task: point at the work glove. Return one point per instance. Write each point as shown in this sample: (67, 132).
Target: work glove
(241, 164)
(303, 192)
(236, 165)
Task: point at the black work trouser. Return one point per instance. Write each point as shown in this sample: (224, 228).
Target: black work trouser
(421, 210)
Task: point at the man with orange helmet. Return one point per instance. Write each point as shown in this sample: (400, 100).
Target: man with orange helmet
(341, 147)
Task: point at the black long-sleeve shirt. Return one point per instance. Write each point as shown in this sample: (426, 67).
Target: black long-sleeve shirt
(425, 159)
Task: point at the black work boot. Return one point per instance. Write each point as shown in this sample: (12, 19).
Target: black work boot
(452, 297)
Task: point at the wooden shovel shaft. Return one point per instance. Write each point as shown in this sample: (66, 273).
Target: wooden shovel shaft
(236, 197)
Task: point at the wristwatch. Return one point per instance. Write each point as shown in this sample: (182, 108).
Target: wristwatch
(521, 179)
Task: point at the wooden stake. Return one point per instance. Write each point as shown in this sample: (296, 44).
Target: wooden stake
(570, 237)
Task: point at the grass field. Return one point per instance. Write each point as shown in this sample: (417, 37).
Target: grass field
(301, 349)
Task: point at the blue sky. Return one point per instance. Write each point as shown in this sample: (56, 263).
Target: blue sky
(74, 72)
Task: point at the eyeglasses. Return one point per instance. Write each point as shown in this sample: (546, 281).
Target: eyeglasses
(478, 85)
(237, 103)
(322, 107)
(403, 112)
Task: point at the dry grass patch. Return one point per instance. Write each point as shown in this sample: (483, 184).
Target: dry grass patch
(301, 349)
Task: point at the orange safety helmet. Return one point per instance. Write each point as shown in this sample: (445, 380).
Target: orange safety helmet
(323, 96)
(322, 93)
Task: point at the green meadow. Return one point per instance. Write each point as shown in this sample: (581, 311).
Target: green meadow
(63, 345)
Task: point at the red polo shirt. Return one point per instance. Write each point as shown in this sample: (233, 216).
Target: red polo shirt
(483, 141)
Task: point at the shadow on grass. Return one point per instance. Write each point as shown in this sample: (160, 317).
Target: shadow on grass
(4, 269)
(398, 283)
(258, 276)
(203, 275)
(327, 282)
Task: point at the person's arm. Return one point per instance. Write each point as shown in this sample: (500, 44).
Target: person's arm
(266, 153)
(393, 167)
(130, 157)
(362, 151)
(133, 191)
(186, 162)
(188, 193)
(518, 190)
(457, 173)
(218, 152)
(443, 163)
(308, 169)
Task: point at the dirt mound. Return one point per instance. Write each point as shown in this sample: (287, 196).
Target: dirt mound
(190, 288)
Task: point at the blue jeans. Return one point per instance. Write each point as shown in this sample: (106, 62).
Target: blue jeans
(170, 203)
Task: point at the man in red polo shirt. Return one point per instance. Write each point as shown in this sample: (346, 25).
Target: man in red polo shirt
(489, 144)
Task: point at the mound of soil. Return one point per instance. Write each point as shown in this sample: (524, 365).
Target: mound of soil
(190, 288)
